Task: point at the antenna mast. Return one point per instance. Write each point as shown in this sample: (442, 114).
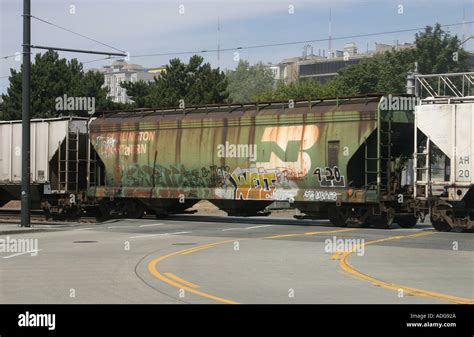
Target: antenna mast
(218, 41)
(330, 33)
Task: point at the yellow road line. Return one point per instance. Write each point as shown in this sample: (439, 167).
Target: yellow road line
(281, 236)
(152, 268)
(330, 232)
(310, 233)
(206, 246)
(180, 280)
(153, 265)
(346, 266)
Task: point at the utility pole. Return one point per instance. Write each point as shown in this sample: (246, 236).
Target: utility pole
(218, 41)
(25, 116)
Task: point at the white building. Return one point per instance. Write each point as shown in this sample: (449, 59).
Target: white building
(121, 71)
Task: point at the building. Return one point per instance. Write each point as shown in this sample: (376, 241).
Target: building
(120, 71)
(381, 48)
(323, 68)
(286, 70)
(319, 67)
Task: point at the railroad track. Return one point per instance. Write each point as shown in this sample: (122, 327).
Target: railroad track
(38, 215)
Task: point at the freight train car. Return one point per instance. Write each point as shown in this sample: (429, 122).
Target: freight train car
(444, 165)
(62, 163)
(345, 159)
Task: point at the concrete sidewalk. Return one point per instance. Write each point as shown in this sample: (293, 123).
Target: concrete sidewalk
(13, 227)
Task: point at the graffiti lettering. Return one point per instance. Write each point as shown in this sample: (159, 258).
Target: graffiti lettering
(332, 178)
(253, 183)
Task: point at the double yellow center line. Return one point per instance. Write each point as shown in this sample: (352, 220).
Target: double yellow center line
(343, 263)
(346, 266)
(187, 286)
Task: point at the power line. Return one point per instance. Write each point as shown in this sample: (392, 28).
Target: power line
(101, 59)
(254, 46)
(292, 42)
(78, 34)
(7, 57)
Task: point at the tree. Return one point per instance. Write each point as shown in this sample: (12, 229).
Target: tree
(387, 72)
(303, 89)
(434, 52)
(247, 81)
(195, 83)
(53, 77)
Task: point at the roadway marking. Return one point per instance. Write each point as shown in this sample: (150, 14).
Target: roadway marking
(156, 224)
(253, 227)
(346, 266)
(18, 254)
(153, 269)
(310, 233)
(125, 226)
(82, 229)
(335, 255)
(153, 264)
(153, 235)
(180, 280)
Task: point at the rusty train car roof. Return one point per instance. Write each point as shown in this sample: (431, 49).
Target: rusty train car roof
(219, 111)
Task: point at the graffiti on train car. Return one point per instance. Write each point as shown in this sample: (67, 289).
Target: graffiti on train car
(124, 143)
(257, 183)
(253, 183)
(329, 177)
(242, 183)
(276, 163)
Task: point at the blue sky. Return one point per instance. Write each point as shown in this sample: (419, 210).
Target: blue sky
(149, 26)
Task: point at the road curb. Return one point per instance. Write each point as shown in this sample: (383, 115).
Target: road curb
(24, 231)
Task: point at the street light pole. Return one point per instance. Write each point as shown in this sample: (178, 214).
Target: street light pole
(25, 116)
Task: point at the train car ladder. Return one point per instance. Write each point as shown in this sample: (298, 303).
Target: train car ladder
(382, 160)
(68, 163)
(423, 170)
(93, 167)
(384, 155)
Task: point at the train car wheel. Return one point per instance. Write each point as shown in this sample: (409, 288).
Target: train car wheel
(437, 220)
(440, 225)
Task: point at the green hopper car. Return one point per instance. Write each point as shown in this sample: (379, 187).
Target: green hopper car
(342, 159)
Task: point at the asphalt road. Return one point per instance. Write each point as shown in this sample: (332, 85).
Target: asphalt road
(205, 259)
